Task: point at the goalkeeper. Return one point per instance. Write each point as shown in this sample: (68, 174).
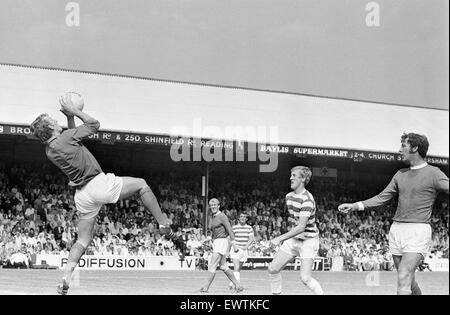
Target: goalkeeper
(93, 187)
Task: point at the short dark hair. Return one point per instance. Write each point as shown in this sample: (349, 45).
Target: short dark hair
(416, 140)
(40, 128)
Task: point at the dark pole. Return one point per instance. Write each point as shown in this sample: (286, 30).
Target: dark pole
(205, 189)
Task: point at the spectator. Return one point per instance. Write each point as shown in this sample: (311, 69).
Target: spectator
(38, 211)
(3, 254)
(388, 261)
(349, 263)
(19, 260)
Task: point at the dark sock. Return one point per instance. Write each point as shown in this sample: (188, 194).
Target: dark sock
(415, 289)
(231, 276)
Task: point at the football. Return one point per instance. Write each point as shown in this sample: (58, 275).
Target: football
(76, 99)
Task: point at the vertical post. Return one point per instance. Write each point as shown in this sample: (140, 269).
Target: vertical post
(204, 202)
(205, 189)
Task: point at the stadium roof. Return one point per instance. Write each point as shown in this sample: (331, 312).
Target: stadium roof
(170, 108)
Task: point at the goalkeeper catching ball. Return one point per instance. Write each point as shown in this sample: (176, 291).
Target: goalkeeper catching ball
(93, 188)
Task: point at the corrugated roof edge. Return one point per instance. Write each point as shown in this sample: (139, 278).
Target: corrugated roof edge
(214, 85)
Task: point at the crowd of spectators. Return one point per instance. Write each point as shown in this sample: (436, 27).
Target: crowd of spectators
(38, 216)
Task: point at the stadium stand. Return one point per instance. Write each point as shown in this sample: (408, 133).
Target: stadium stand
(37, 216)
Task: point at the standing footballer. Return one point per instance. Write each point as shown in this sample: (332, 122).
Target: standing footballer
(244, 237)
(416, 187)
(303, 239)
(93, 187)
(221, 229)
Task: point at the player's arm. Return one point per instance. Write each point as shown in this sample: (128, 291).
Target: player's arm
(226, 223)
(441, 182)
(71, 122)
(70, 118)
(68, 108)
(299, 228)
(251, 239)
(86, 118)
(90, 126)
(379, 200)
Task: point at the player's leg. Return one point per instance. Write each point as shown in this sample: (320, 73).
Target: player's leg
(237, 269)
(306, 276)
(236, 272)
(280, 260)
(214, 263)
(418, 247)
(397, 259)
(227, 271)
(132, 185)
(85, 236)
(415, 289)
(406, 274)
(242, 258)
(308, 251)
(408, 245)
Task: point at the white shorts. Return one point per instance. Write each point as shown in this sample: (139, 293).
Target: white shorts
(221, 246)
(409, 238)
(240, 255)
(102, 189)
(301, 248)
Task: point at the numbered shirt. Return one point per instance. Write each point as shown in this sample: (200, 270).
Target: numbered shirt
(68, 153)
(302, 205)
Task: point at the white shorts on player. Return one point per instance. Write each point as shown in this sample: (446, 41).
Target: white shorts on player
(241, 255)
(409, 238)
(102, 189)
(221, 246)
(302, 248)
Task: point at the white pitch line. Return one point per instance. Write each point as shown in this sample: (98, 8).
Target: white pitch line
(10, 292)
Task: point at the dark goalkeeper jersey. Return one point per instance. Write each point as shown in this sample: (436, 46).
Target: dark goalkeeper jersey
(68, 153)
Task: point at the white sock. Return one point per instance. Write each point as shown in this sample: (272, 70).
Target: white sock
(68, 272)
(275, 283)
(314, 286)
(237, 275)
